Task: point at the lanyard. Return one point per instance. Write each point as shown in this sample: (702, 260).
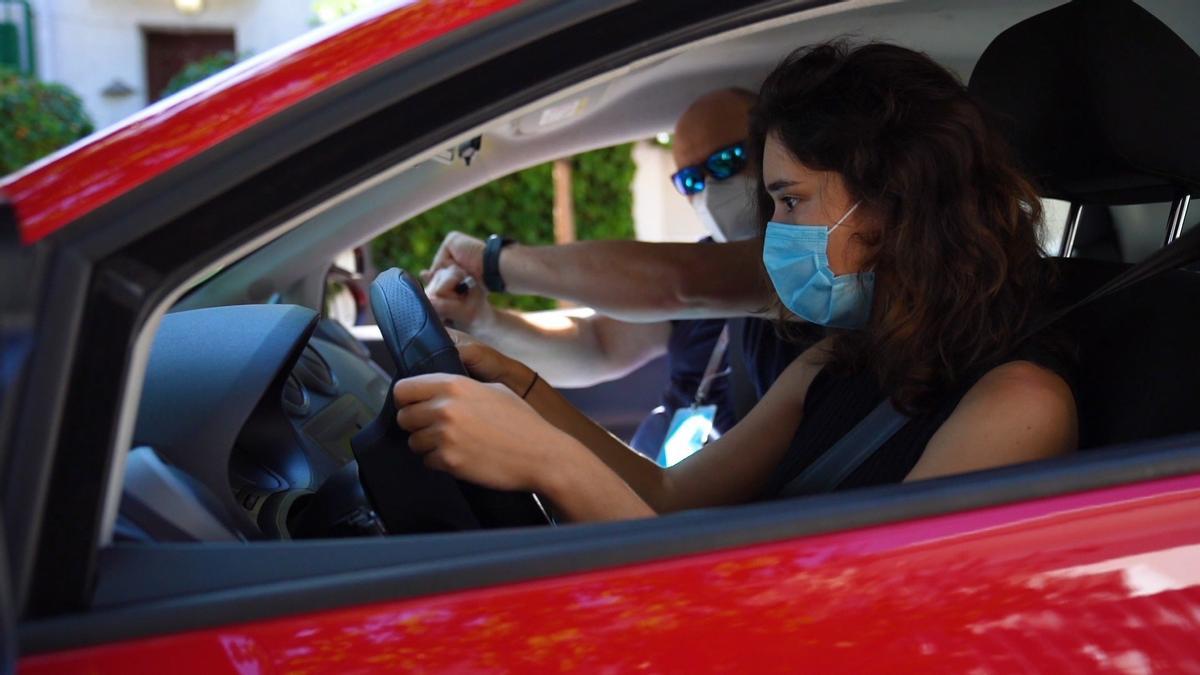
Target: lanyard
(714, 362)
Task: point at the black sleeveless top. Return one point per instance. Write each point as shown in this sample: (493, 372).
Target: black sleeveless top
(835, 404)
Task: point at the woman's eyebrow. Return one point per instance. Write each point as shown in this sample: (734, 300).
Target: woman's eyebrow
(778, 185)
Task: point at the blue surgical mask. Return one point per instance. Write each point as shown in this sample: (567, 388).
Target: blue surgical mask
(797, 259)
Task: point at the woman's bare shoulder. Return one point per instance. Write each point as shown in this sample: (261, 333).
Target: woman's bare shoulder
(1017, 412)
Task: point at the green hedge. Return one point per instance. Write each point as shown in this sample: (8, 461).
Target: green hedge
(36, 118)
(521, 206)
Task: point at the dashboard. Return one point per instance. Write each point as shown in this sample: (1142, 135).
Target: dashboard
(244, 428)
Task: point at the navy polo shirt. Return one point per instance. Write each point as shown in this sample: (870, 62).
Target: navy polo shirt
(689, 348)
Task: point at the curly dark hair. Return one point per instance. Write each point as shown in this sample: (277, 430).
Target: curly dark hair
(959, 272)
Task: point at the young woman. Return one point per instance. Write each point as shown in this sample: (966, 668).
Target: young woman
(897, 219)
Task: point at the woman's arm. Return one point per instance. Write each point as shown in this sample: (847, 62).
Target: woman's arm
(730, 470)
(1018, 412)
(734, 468)
(485, 434)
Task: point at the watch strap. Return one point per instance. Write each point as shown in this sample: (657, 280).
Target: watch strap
(491, 262)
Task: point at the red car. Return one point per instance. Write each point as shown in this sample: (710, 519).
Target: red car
(175, 418)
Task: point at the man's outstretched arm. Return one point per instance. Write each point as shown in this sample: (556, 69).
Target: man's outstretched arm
(567, 351)
(628, 280)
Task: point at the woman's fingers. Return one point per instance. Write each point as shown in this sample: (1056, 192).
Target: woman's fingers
(436, 450)
(425, 387)
(416, 416)
(484, 363)
(474, 357)
(425, 441)
(466, 345)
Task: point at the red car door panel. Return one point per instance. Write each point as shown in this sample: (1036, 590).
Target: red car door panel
(1103, 580)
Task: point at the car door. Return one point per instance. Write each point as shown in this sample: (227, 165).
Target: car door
(1079, 563)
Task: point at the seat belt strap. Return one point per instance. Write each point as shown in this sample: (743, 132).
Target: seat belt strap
(849, 453)
(1183, 251)
(865, 439)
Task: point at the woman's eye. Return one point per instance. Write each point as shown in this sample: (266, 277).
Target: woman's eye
(789, 203)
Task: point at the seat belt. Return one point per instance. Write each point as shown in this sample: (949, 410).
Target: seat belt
(1179, 253)
(839, 461)
(872, 431)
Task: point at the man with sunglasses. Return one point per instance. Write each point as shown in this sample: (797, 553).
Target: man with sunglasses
(709, 150)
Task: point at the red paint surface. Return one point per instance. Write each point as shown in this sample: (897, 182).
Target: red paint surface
(83, 177)
(1107, 581)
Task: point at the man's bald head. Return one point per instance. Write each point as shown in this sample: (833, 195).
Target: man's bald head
(716, 120)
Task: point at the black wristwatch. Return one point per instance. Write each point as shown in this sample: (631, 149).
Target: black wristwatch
(491, 262)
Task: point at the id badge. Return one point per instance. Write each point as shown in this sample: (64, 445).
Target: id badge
(690, 429)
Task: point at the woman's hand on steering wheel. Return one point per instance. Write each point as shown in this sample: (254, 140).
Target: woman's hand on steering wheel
(486, 364)
(479, 432)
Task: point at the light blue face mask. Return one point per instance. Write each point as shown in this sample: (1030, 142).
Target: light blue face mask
(797, 259)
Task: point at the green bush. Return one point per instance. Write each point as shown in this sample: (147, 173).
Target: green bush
(36, 118)
(199, 70)
(521, 206)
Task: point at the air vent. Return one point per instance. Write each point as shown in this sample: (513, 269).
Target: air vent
(315, 373)
(295, 397)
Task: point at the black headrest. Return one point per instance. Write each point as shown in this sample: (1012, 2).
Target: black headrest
(1100, 100)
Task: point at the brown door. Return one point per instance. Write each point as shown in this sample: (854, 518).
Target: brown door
(168, 51)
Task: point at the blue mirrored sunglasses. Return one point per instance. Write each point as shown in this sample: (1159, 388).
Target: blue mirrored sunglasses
(720, 165)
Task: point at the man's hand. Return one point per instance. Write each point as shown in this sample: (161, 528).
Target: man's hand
(459, 299)
(461, 250)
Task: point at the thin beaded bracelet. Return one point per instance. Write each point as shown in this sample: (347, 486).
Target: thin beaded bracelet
(530, 387)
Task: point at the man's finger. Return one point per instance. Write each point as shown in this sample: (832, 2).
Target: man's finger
(464, 287)
(445, 281)
(444, 256)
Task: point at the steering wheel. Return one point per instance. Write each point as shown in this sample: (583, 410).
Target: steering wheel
(408, 496)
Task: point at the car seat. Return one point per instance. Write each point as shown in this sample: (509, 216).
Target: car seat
(1098, 97)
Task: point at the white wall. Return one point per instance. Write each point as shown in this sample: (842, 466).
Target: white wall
(87, 44)
(659, 212)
